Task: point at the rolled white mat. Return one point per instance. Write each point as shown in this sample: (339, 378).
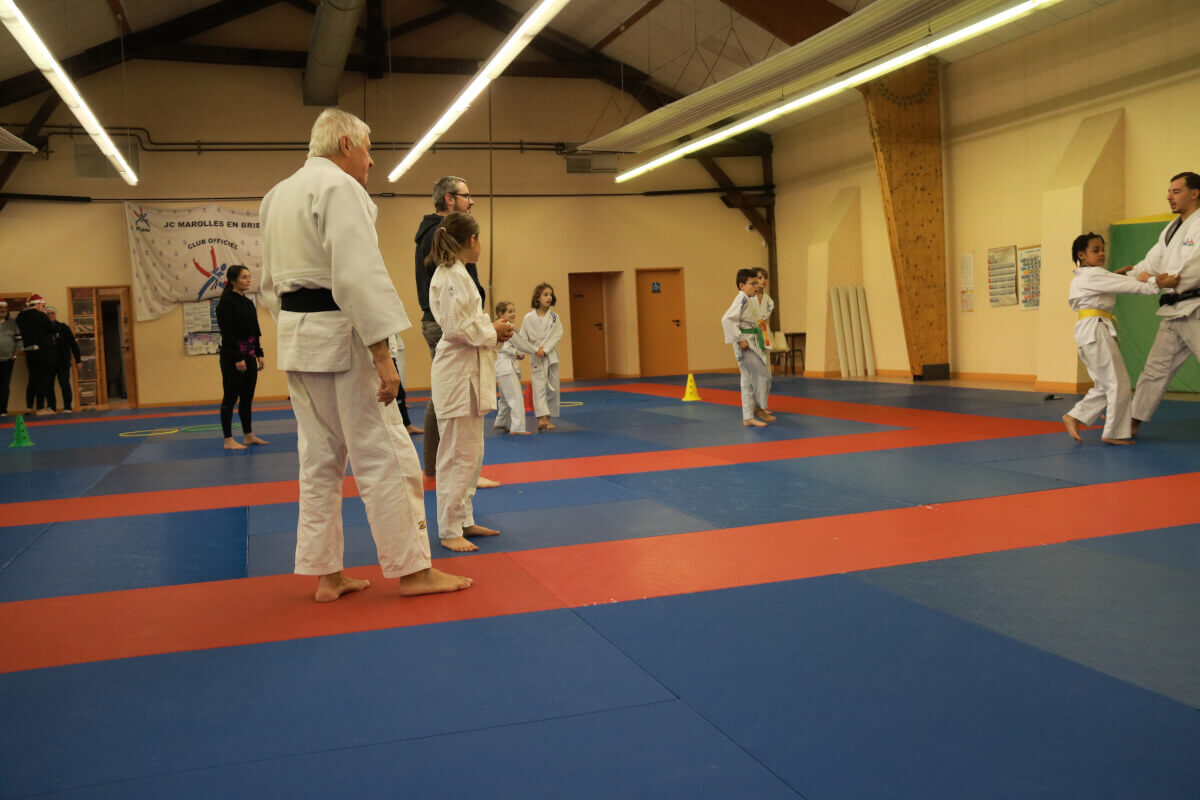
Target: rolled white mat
(854, 366)
(860, 363)
(839, 334)
(868, 347)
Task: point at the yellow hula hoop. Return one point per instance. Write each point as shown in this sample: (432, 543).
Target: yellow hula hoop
(149, 432)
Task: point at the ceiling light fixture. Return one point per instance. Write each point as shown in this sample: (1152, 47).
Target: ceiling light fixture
(41, 57)
(529, 26)
(864, 74)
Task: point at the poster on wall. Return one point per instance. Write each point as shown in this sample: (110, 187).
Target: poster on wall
(201, 336)
(1002, 275)
(1030, 261)
(180, 255)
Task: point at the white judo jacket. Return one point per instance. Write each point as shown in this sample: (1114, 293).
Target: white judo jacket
(319, 233)
(1096, 287)
(509, 354)
(1181, 257)
(741, 316)
(464, 364)
(544, 332)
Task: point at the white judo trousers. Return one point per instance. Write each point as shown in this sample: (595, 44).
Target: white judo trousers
(1177, 338)
(459, 462)
(756, 381)
(1110, 388)
(339, 416)
(544, 377)
(510, 407)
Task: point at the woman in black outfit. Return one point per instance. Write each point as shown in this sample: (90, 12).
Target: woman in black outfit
(241, 354)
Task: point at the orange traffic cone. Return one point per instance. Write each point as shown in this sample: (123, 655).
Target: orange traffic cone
(529, 398)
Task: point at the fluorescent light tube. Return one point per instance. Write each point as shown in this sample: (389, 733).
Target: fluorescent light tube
(516, 41)
(41, 57)
(865, 74)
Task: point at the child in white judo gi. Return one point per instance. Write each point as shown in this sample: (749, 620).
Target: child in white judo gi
(463, 377)
(743, 329)
(766, 306)
(1092, 295)
(510, 408)
(543, 329)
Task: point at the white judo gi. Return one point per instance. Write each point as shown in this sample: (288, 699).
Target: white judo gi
(464, 390)
(1093, 294)
(318, 231)
(765, 306)
(741, 324)
(1179, 332)
(544, 332)
(510, 407)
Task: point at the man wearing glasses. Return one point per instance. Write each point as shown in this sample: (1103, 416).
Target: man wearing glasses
(449, 194)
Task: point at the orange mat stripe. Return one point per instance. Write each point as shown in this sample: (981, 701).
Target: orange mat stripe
(97, 627)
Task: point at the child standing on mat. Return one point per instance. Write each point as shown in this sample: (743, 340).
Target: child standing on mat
(510, 408)
(743, 331)
(543, 329)
(1092, 295)
(765, 308)
(463, 375)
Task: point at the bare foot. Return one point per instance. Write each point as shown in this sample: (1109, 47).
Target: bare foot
(1072, 427)
(479, 530)
(550, 426)
(250, 438)
(754, 423)
(458, 544)
(1116, 441)
(331, 587)
(1133, 427)
(518, 433)
(486, 483)
(432, 581)
(230, 444)
(414, 430)
(764, 415)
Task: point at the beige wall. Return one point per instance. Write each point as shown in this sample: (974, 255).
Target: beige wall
(1009, 114)
(542, 225)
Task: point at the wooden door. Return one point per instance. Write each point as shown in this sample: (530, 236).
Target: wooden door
(662, 322)
(589, 355)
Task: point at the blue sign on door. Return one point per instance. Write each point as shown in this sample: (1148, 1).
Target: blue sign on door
(655, 288)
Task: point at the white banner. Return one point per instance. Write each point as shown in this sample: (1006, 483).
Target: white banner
(180, 255)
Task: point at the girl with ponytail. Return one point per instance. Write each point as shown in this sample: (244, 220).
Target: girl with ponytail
(463, 376)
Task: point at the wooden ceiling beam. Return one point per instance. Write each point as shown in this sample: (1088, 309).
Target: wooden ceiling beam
(790, 22)
(626, 25)
(110, 53)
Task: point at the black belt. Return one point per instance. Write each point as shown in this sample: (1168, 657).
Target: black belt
(1172, 299)
(307, 301)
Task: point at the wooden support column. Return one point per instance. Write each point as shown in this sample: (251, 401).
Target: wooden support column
(904, 112)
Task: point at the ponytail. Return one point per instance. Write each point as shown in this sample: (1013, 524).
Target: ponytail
(451, 236)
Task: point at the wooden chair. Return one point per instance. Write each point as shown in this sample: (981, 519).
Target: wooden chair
(780, 352)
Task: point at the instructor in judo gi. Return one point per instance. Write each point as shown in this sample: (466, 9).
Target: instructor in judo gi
(325, 283)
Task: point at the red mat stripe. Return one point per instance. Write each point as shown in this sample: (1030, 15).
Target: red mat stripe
(918, 428)
(85, 628)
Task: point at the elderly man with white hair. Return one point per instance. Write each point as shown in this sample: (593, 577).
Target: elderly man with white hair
(325, 282)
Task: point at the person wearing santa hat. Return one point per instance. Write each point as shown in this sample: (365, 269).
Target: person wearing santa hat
(9, 347)
(37, 333)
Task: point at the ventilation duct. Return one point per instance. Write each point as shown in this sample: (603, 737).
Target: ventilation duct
(876, 31)
(333, 33)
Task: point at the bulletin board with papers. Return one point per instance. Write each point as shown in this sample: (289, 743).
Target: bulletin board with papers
(1002, 275)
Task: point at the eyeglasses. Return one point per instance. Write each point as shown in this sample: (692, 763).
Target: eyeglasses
(462, 194)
